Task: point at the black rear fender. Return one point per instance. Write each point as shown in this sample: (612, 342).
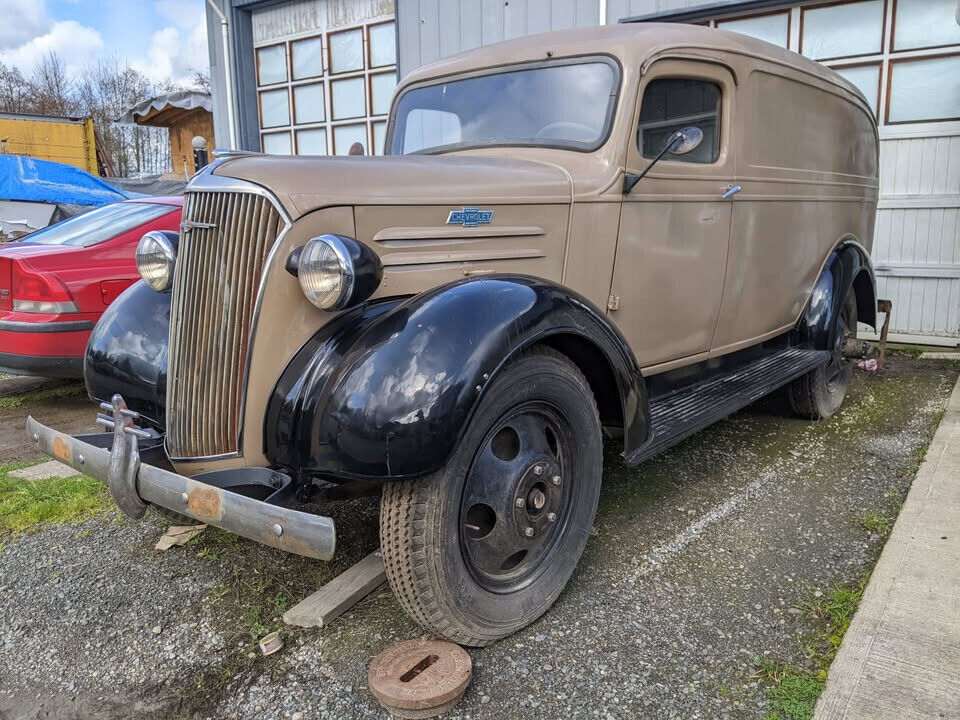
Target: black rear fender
(848, 266)
(386, 389)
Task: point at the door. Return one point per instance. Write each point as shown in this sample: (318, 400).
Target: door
(675, 224)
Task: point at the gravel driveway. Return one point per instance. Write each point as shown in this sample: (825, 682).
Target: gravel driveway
(699, 562)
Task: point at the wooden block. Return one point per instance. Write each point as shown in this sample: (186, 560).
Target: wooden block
(338, 595)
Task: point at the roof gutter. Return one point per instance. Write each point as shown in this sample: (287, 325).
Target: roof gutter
(706, 12)
(227, 71)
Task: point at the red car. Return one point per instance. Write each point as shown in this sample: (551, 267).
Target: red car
(56, 282)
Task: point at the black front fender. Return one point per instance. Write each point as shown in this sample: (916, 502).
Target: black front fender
(127, 352)
(386, 390)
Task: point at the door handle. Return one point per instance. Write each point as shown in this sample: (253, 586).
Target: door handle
(731, 191)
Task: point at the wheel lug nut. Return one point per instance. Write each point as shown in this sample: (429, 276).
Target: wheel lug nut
(538, 470)
(518, 502)
(556, 480)
(552, 517)
(528, 532)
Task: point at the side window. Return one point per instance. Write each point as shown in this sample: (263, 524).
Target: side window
(670, 104)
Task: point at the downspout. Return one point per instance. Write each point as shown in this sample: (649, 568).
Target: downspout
(227, 72)
(603, 12)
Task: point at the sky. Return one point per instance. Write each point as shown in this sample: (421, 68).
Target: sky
(164, 39)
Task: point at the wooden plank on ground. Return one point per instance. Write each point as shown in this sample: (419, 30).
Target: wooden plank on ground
(338, 595)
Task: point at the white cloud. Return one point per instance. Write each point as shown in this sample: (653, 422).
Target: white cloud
(22, 21)
(74, 43)
(176, 53)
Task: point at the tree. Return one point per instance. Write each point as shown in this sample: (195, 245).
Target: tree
(51, 88)
(14, 90)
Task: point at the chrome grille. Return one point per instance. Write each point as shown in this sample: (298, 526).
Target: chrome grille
(226, 240)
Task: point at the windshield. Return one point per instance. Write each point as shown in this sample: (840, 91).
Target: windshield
(97, 225)
(558, 105)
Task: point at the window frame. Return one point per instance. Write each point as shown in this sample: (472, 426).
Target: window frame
(804, 9)
(609, 121)
(893, 37)
(903, 60)
(325, 79)
(718, 115)
(715, 71)
(866, 63)
(751, 16)
(286, 60)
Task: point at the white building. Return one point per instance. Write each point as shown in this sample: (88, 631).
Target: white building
(316, 76)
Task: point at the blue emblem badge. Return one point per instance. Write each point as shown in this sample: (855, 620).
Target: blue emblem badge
(469, 217)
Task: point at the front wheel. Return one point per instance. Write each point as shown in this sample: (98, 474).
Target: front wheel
(483, 547)
(820, 393)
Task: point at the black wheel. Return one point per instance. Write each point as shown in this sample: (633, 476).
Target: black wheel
(483, 547)
(821, 392)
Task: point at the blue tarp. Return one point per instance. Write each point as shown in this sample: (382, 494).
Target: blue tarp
(31, 180)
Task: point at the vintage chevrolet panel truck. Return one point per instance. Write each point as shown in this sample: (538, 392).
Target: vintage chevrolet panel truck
(637, 229)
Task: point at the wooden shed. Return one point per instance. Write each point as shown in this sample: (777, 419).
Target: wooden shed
(187, 114)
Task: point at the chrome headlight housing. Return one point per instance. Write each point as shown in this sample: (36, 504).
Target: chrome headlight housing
(336, 271)
(156, 257)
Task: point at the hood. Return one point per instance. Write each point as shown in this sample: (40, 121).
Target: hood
(304, 184)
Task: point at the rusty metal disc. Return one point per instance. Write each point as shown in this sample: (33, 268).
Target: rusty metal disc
(420, 675)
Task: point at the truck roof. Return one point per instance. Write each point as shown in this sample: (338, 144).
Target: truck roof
(631, 43)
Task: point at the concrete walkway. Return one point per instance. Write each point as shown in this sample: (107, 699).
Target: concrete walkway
(900, 659)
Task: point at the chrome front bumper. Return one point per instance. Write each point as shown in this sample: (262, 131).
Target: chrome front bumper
(136, 485)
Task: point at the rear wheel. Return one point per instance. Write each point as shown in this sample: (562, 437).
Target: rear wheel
(821, 392)
(483, 547)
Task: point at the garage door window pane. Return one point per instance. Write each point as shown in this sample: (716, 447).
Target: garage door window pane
(379, 137)
(925, 23)
(383, 45)
(346, 51)
(308, 103)
(274, 109)
(271, 65)
(349, 98)
(867, 80)
(843, 30)
(345, 136)
(381, 88)
(307, 58)
(276, 143)
(772, 28)
(925, 90)
(312, 142)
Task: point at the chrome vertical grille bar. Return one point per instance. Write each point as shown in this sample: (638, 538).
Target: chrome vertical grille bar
(227, 239)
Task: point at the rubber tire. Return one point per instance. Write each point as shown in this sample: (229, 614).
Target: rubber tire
(811, 396)
(419, 519)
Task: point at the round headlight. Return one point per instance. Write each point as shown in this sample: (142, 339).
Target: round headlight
(326, 272)
(156, 258)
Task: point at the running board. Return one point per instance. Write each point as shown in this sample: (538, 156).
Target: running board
(678, 415)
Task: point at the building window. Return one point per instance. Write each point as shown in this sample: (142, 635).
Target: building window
(327, 92)
(866, 78)
(672, 104)
(774, 28)
(271, 65)
(846, 30)
(924, 90)
(925, 24)
(307, 58)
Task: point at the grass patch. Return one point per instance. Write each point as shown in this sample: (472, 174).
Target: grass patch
(40, 396)
(875, 522)
(25, 503)
(792, 690)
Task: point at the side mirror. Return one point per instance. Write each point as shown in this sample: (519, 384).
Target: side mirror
(681, 142)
